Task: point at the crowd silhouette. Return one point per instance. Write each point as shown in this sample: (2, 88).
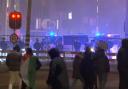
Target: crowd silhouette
(91, 68)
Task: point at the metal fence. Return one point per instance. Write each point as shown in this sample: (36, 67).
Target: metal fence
(68, 45)
(67, 55)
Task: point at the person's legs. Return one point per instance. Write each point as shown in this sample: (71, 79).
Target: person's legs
(29, 88)
(95, 82)
(126, 81)
(121, 80)
(23, 85)
(74, 83)
(89, 84)
(11, 81)
(17, 79)
(102, 80)
(123, 84)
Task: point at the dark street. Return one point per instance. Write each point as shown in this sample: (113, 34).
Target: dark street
(42, 76)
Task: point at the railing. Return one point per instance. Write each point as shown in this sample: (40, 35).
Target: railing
(68, 45)
(68, 55)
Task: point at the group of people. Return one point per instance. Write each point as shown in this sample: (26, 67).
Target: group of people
(122, 59)
(46, 45)
(22, 68)
(4, 44)
(91, 68)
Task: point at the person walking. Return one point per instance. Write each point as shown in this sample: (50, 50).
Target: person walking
(42, 44)
(37, 46)
(30, 65)
(58, 76)
(76, 70)
(102, 66)
(3, 46)
(87, 70)
(77, 45)
(59, 46)
(13, 61)
(122, 59)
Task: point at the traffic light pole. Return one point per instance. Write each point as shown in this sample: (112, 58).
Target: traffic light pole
(29, 6)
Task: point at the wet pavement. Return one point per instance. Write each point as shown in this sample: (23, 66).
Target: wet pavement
(112, 83)
(42, 77)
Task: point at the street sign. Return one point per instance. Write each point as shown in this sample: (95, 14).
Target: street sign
(14, 38)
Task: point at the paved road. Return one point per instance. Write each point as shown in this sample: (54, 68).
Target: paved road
(42, 76)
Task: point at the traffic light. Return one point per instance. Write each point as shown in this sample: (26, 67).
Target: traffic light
(15, 19)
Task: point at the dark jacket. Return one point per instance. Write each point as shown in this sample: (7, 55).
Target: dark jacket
(3, 45)
(87, 69)
(122, 58)
(76, 64)
(38, 63)
(58, 77)
(37, 45)
(101, 61)
(13, 61)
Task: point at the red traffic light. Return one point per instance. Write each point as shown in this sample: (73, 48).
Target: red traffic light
(18, 16)
(13, 16)
(15, 20)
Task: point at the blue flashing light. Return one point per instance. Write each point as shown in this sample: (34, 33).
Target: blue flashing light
(98, 34)
(52, 34)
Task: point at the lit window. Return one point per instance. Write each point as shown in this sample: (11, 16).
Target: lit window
(70, 15)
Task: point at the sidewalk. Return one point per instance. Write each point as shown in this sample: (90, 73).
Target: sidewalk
(43, 73)
(42, 77)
